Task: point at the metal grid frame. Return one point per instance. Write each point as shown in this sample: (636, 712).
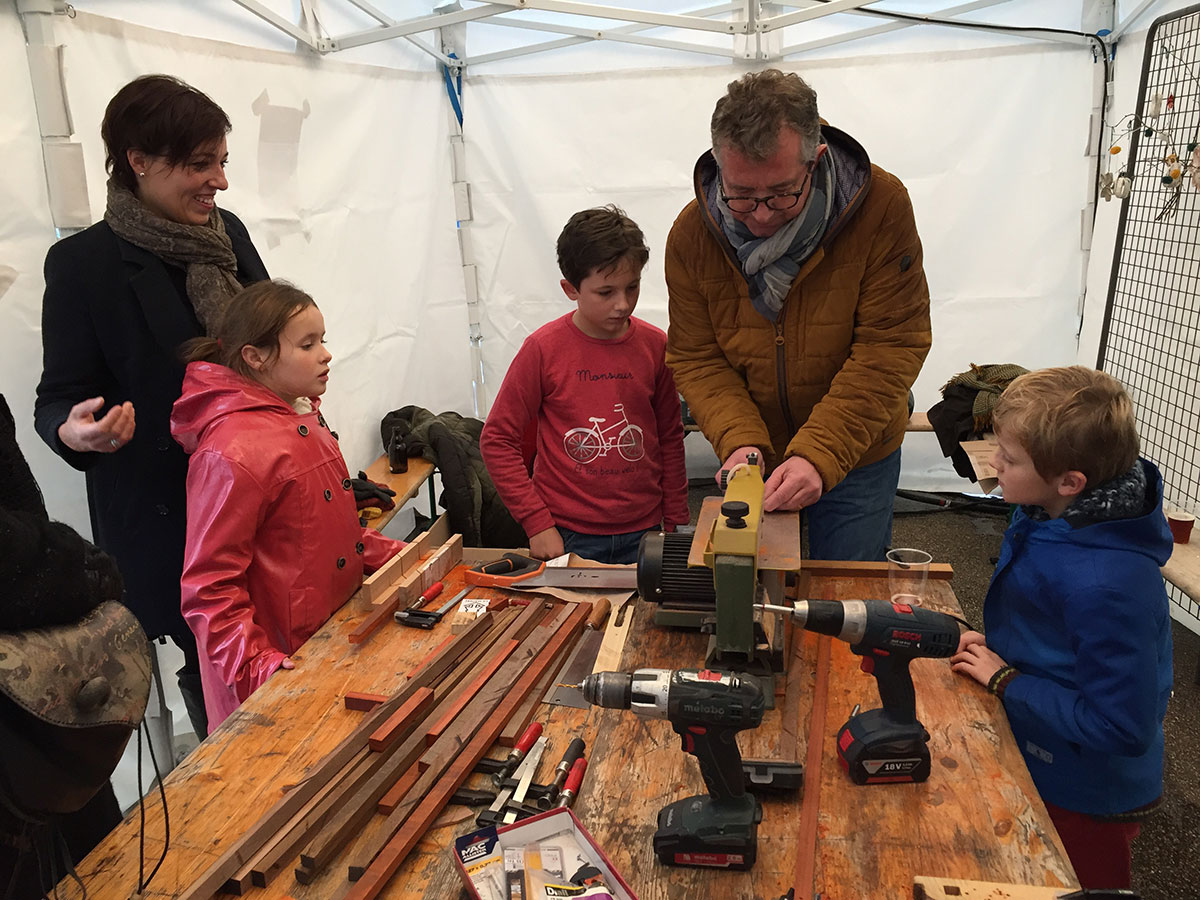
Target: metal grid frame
(1150, 339)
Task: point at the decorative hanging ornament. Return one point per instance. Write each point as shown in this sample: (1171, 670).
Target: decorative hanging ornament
(1170, 102)
(1155, 109)
(1122, 186)
(1106, 186)
(1195, 165)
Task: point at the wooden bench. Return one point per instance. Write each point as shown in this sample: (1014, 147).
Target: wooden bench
(406, 485)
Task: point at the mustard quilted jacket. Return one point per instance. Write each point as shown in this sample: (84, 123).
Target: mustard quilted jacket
(829, 380)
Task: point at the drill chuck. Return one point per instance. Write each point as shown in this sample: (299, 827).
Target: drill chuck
(643, 691)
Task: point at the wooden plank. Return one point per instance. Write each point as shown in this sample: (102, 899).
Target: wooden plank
(396, 792)
(520, 720)
(1183, 568)
(281, 849)
(831, 568)
(401, 722)
(919, 421)
(494, 690)
(244, 848)
(608, 659)
(928, 887)
(349, 821)
(434, 731)
(360, 702)
(806, 847)
(409, 587)
(412, 822)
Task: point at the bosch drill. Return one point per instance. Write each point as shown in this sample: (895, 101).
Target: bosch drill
(883, 745)
(706, 709)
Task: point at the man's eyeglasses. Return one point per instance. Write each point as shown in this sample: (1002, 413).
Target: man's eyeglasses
(778, 202)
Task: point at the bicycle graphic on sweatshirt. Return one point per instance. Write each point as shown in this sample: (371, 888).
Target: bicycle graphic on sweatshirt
(586, 444)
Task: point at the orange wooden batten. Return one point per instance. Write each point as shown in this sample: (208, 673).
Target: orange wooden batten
(383, 736)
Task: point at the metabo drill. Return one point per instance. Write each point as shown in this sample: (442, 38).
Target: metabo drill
(706, 709)
(882, 745)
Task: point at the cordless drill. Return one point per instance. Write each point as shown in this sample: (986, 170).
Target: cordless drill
(706, 709)
(888, 744)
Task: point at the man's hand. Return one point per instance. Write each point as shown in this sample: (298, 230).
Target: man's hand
(737, 458)
(975, 660)
(84, 434)
(795, 484)
(546, 544)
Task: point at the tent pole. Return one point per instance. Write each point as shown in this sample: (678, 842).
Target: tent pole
(66, 178)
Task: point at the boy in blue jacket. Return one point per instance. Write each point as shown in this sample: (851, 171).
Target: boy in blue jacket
(1078, 643)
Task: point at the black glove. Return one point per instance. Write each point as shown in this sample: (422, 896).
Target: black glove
(372, 493)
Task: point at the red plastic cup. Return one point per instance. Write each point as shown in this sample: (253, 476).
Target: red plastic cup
(1180, 524)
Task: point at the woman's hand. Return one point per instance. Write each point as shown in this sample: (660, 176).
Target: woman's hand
(546, 544)
(976, 660)
(83, 434)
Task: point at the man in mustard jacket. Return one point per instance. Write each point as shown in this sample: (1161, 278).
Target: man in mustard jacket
(799, 313)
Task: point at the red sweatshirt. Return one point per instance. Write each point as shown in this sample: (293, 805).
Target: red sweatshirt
(622, 473)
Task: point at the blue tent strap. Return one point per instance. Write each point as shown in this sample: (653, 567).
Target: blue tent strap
(454, 89)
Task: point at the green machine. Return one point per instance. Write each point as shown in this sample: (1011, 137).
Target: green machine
(738, 557)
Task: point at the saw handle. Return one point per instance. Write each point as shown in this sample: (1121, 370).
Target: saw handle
(509, 569)
(600, 610)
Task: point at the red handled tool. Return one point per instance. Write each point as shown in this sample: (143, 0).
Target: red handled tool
(516, 571)
(561, 773)
(528, 739)
(574, 780)
(428, 594)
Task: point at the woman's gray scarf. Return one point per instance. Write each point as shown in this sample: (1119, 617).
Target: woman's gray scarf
(771, 264)
(205, 251)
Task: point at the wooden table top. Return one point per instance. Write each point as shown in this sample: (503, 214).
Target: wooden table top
(977, 817)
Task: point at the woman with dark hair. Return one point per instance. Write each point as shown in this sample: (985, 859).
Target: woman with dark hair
(121, 297)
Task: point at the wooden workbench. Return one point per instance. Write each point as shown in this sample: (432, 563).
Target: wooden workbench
(978, 816)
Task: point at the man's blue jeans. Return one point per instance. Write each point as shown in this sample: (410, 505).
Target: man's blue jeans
(854, 520)
(605, 548)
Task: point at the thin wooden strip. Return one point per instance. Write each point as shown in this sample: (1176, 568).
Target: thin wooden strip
(789, 717)
(361, 702)
(243, 880)
(524, 715)
(413, 823)
(806, 845)
(837, 568)
(354, 814)
(401, 722)
(243, 850)
(435, 731)
(406, 590)
(396, 792)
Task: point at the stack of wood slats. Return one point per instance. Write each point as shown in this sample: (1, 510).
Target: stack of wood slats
(411, 752)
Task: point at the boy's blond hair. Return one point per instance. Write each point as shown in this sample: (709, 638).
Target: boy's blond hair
(1071, 418)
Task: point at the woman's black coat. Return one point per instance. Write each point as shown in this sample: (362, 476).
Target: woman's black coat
(113, 319)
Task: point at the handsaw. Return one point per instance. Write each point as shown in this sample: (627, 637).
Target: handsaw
(515, 571)
(565, 691)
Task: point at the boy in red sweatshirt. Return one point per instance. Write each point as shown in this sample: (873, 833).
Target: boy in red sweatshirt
(609, 464)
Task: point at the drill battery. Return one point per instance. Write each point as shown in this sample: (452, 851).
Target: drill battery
(701, 832)
(875, 749)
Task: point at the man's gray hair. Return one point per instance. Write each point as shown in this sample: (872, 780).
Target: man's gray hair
(757, 105)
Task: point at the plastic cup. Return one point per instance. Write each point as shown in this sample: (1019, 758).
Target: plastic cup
(1180, 524)
(908, 574)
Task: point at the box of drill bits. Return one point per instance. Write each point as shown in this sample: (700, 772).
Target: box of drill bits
(544, 857)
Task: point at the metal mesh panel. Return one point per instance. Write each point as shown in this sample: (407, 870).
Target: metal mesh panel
(1151, 335)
